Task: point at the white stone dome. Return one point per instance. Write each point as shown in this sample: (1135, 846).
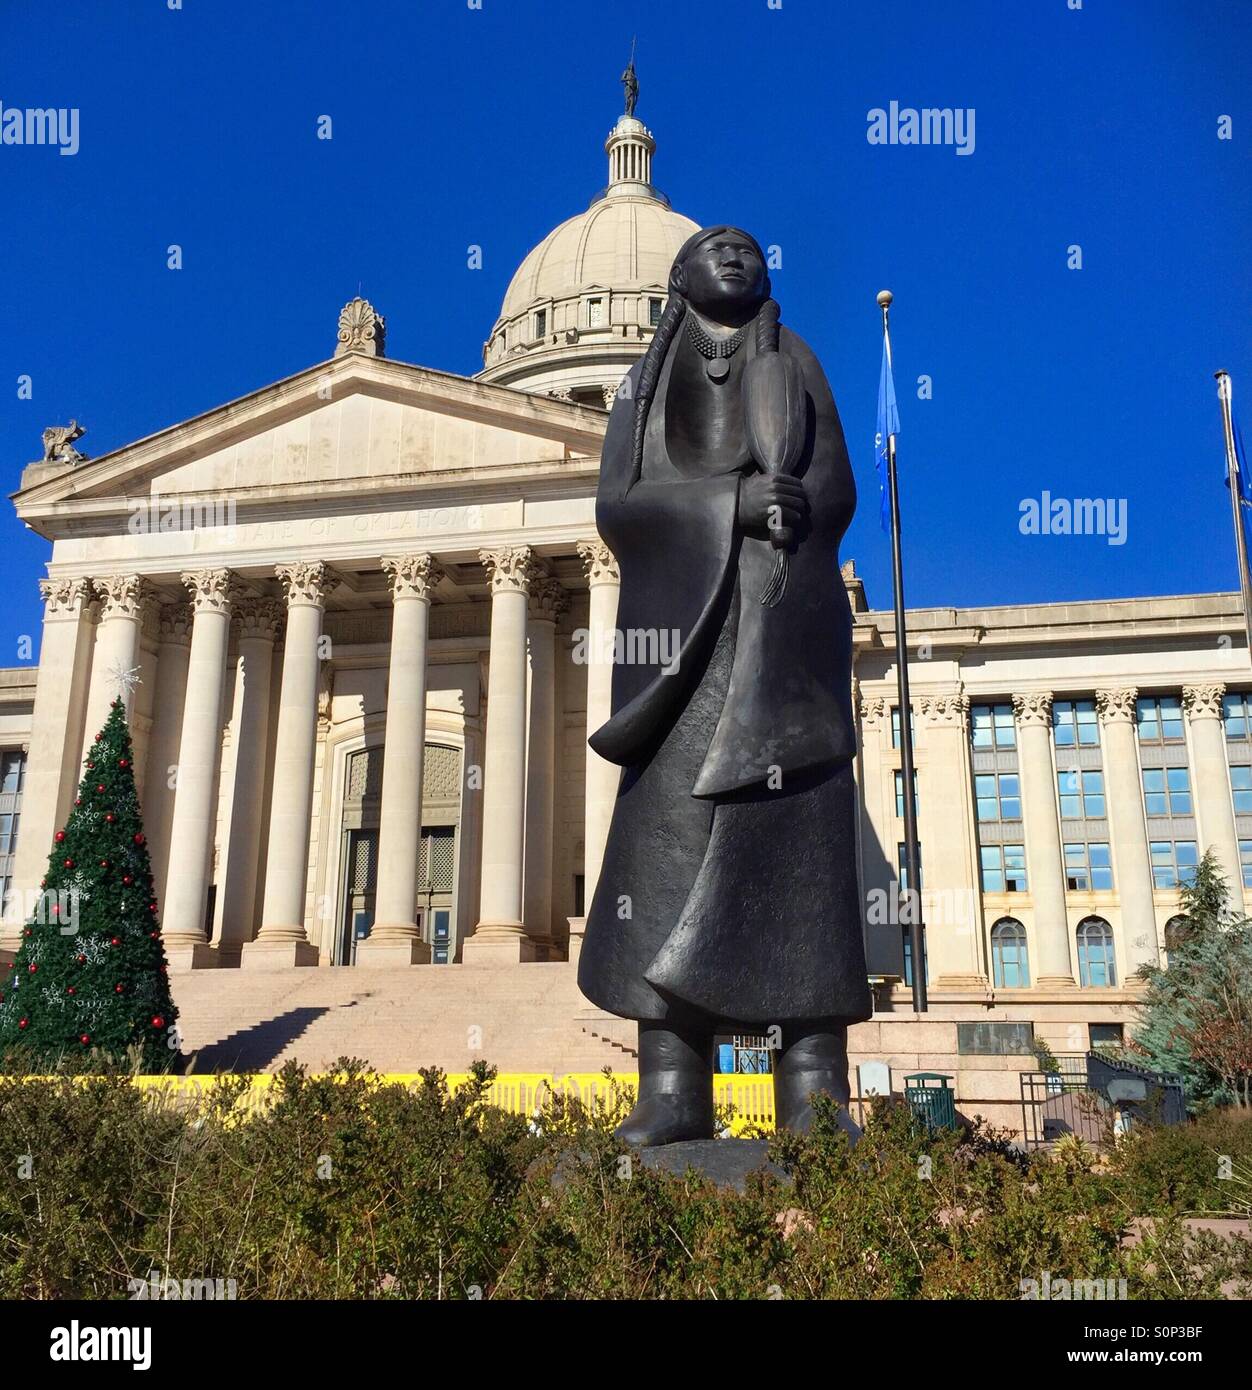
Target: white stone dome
(582, 306)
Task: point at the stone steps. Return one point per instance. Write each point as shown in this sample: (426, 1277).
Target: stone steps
(528, 1018)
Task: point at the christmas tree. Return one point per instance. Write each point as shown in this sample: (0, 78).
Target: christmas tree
(91, 975)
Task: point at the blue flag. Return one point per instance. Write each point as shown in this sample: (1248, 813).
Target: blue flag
(888, 423)
(1244, 485)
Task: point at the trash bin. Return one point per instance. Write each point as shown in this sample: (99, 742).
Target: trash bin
(930, 1097)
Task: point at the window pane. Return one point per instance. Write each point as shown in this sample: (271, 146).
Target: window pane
(1171, 717)
(1006, 732)
(980, 725)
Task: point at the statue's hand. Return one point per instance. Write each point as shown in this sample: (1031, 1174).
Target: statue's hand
(770, 501)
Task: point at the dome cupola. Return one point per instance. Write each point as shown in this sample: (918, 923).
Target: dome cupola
(583, 305)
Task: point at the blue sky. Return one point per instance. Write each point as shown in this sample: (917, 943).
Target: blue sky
(453, 126)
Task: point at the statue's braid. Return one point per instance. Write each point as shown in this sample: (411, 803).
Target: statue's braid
(649, 375)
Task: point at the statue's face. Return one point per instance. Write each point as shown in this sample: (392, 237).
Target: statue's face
(724, 278)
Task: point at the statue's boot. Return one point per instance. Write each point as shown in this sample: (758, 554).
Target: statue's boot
(813, 1058)
(675, 1088)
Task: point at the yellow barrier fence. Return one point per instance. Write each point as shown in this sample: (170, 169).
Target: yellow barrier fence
(519, 1093)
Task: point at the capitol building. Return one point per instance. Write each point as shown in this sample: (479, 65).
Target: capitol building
(360, 603)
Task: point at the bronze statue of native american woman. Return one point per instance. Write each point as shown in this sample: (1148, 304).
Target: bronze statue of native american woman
(727, 900)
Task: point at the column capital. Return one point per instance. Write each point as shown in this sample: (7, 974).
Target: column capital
(949, 709)
(599, 562)
(873, 707)
(1117, 706)
(258, 617)
(66, 595)
(212, 591)
(1203, 701)
(174, 624)
(412, 576)
(548, 599)
(510, 568)
(1033, 708)
(307, 583)
(122, 596)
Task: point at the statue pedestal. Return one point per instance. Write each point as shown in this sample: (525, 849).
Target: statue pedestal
(725, 1162)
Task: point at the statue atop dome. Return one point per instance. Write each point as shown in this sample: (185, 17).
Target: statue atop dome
(630, 82)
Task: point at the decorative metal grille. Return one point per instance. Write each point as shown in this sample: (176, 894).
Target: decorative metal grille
(363, 871)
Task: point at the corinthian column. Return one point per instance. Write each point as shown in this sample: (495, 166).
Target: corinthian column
(282, 940)
(1214, 808)
(602, 777)
(1132, 866)
(191, 830)
(949, 897)
(395, 938)
(500, 937)
(122, 600)
(173, 652)
(1044, 858)
(56, 733)
(257, 623)
(548, 600)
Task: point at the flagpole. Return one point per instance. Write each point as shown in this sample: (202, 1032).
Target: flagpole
(912, 857)
(1236, 493)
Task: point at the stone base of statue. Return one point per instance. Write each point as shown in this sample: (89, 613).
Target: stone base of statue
(724, 1162)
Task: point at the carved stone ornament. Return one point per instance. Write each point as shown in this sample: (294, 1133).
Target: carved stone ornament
(873, 707)
(175, 624)
(412, 576)
(122, 596)
(58, 444)
(599, 562)
(307, 583)
(361, 329)
(212, 591)
(1117, 706)
(1203, 701)
(548, 599)
(945, 709)
(258, 617)
(65, 595)
(1033, 709)
(510, 569)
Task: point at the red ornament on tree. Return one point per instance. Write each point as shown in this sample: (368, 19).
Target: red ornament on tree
(32, 967)
(117, 989)
(100, 788)
(121, 762)
(82, 960)
(117, 941)
(91, 767)
(69, 863)
(59, 837)
(100, 736)
(126, 879)
(85, 1039)
(69, 989)
(109, 818)
(158, 1021)
(139, 838)
(23, 1023)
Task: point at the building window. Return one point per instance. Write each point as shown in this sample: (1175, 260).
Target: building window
(595, 313)
(654, 312)
(1245, 861)
(1241, 787)
(991, 726)
(1097, 967)
(1159, 719)
(1074, 724)
(902, 868)
(899, 776)
(1081, 794)
(908, 956)
(1088, 867)
(1173, 862)
(1003, 868)
(12, 773)
(8, 833)
(998, 796)
(1236, 714)
(1166, 791)
(1104, 1035)
(1010, 966)
(541, 323)
(895, 726)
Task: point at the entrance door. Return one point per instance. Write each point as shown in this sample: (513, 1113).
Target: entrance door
(362, 880)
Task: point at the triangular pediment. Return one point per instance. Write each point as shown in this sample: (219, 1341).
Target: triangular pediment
(355, 419)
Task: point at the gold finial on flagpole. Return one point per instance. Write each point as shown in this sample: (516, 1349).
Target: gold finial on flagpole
(885, 300)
